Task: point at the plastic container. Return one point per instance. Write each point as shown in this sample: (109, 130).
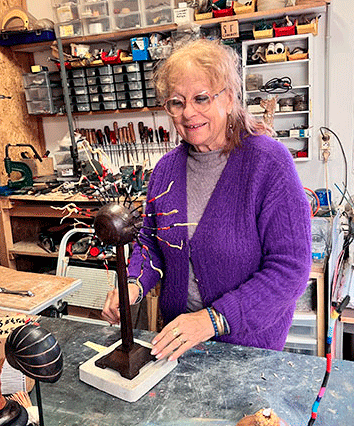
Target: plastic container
(127, 104)
(139, 46)
(104, 106)
(103, 79)
(301, 345)
(36, 79)
(40, 93)
(160, 52)
(157, 12)
(71, 29)
(240, 8)
(26, 37)
(223, 12)
(67, 12)
(45, 106)
(103, 97)
(128, 77)
(78, 91)
(80, 99)
(75, 73)
(125, 14)
(304, 325)
(104, 88)
(134, 85)
(80, 107)
(98, 71)
(284, 31)
(74, 82)
(254, 82)
(259, 34)
(320, 234)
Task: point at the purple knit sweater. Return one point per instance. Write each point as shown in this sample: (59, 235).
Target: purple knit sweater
(251, 250)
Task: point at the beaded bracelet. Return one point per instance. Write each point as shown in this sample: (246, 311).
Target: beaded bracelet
(141, 290)
(210, 312)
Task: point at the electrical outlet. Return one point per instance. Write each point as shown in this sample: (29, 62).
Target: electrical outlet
(325, 147)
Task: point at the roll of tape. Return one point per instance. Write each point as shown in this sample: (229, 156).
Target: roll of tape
(279, 48)
(271, 49)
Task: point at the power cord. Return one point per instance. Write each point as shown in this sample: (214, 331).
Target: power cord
(344, 158)
(277, 85)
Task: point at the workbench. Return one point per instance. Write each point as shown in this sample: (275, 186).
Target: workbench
(213, 381)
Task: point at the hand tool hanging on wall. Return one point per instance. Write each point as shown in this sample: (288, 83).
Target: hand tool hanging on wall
(116, 132)
(133, 138)
(141, 133)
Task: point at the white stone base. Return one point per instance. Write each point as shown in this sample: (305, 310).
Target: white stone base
(110, 381)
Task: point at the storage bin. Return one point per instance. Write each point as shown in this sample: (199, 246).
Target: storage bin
(150, 93)
(93, 9)
(139, 46)
(70, 29)
(36, 79)
(308, 28)
(278, 57)
(254, 82)
(240, 8)
(259, 34)
(98, 71)
(149, 84)
(149, 66)
(78, 91)
(160, 52)
(103, 88)
(284, 31)
(297, 56)
(301, 345)
(304, 325)
(151, 102)
(75, 73)
(157, 12)
(41, 93)
(26, 37)
(80, 107)
(103, 97)
(103, 79)
(104, 106)
(135, 103)
(73, 82)
(134, 85)
(203, 16)
(125, 21)
(80, 99)
(45, 106)
(128, 77)
(223, 12)
(66, 12)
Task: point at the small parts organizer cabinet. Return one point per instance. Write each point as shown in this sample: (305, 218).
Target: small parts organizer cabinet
(293, 115)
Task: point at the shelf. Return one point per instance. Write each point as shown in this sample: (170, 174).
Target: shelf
(310, 6)
(111, 111)
(30, 248)
(293, 88)
(276, 64)
(279, 114)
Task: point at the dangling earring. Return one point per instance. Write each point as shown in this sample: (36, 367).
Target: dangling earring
(229, 127)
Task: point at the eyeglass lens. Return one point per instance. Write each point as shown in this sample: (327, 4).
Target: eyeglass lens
(200, 103)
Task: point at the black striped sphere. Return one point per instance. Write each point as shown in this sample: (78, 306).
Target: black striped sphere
(35, 352)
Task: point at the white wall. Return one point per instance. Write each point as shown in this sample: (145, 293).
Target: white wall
(341, 96)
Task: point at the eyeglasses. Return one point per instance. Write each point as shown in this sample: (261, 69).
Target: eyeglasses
(200, 102)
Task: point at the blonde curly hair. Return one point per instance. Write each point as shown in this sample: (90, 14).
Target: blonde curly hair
(221, 65)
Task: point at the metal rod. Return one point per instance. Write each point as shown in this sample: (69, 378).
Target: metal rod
(39, 403)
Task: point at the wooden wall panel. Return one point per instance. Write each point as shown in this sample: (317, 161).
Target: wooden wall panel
(16, 125)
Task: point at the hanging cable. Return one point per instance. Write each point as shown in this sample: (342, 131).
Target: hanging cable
(344, 158)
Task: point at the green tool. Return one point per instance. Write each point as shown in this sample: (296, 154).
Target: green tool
(26, 179)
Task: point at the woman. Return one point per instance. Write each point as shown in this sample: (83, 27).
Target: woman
(239, 253)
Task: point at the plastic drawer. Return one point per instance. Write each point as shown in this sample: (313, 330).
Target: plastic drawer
(150, 93)
(70, 29)
(132, 67)
(73, 82)
(103, 79)
(104, 88)
(36, 79)
(304, 325)
(301, 346)
(103, 106)
(41, 93)
(151, 102)
(134, 85)
(80, 99)
(159, 16)
(126, 78)
(149, 84)
(125, 21)
(98, 71)
(75, 73)
(78, 91)
(66, 12)
(80, 107)
(149, 66)
(148, 75)
(103, 97)
(46, 106)
(136, 103)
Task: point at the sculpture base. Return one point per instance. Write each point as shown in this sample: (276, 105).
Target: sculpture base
(127, 363)
(113, 383)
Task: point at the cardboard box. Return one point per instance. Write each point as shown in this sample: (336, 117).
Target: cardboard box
(40, 168)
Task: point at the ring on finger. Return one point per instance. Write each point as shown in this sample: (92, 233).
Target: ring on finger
(175, 332)
(181, 341)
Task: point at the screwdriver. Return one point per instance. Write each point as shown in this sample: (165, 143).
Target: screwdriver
(141, 133)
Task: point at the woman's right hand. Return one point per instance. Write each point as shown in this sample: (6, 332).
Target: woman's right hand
(110, 311)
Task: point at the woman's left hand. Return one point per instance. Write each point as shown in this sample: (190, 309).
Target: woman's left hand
(181, 334)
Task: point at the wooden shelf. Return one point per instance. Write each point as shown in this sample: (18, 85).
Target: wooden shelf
(30, 248)
(303, 6)
(111, 111)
